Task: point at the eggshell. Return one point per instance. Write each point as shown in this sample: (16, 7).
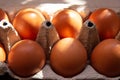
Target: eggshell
(68, 23)
(68, 57)
(106, 21)
(105, 57)
(26, 58)
(27, 22)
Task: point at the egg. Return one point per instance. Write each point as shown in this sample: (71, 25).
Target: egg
(106, 21)
(26, 58)
(46, 15)
(68, 23)
(105, 58)
(82, 10)
(2, 53)
(68, 57)
(27, 22)
(3, 15)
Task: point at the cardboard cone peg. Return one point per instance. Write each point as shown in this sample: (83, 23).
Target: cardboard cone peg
(89, 36)
(42, 39)
(47, 36)
(3, 68)
(8, 35)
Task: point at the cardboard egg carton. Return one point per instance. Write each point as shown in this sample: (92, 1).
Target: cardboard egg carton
(47, 73)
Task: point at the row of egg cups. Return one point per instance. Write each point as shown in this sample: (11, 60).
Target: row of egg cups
(88, 32)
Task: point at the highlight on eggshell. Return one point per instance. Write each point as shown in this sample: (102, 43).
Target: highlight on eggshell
(68, 23)
(68, 57)
(3, 15)
(46, 15)
(82, 10)
(2, 53)
(105, 58)
(26, 58)
(107, 22)
(27, 22)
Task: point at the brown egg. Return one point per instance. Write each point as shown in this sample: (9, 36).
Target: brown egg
(26, 58)
(27, 22)
(67, 23)
(2, 53)
(82, 10)
(106, 21)
(68, 57)
(3, 15)
(105, 58)
(46, 15)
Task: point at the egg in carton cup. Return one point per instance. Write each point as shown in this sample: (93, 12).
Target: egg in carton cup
(9, 36)
(47, 37)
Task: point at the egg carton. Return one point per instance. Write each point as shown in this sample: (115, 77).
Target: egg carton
(47, 73)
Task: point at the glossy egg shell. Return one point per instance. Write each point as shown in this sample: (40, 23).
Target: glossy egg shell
(27, 22)
(105, 58)
(26, 58)
(68, 57)
(2, 53)
(68, 23)
(106, 21)
(3, 15)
